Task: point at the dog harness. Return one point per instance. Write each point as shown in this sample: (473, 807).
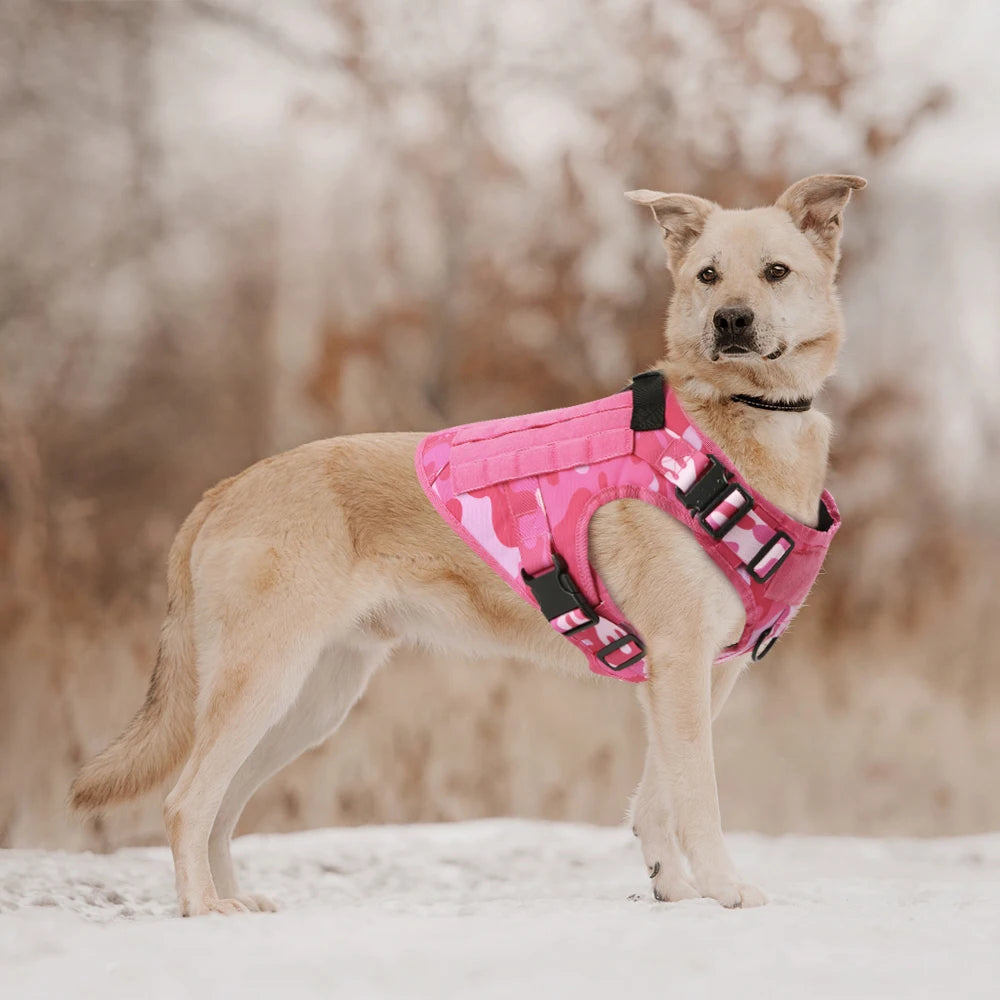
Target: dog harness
(521, 492)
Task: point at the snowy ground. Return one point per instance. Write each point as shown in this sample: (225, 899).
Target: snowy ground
(507, 908)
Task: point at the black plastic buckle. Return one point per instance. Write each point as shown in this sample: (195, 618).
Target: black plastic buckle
(764, 644)
(603, 653)
(708, 491)
(705, 488)
(557, 594)
(764, 549)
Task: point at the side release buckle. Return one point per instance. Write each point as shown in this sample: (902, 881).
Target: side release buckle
(558, 595)
(705, 495)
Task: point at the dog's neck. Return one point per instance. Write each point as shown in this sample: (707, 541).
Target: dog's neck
(782, 453)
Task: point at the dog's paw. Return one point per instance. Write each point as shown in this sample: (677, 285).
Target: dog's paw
(735, 895)
(256, 903)
(671, 886)
(226, 907)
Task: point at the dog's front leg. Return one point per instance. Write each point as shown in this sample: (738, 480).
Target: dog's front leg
(652, 824)
(678, 703)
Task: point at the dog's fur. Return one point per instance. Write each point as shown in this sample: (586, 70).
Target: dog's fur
(292, 582)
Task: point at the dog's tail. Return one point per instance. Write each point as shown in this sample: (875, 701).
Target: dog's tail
(160, 734)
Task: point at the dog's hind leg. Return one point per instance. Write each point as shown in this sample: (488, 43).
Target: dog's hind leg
(327, 696)
(253, 678)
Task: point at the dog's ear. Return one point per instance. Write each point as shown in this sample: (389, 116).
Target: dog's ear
(816, 205)
(682, 217)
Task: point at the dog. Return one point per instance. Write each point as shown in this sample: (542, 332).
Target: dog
(291, 583)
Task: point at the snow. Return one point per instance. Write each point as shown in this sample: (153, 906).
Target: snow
(504, 908)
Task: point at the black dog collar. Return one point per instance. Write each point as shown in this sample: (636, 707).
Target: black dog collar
(795, 406)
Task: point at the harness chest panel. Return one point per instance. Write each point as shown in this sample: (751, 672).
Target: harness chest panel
(521, 492)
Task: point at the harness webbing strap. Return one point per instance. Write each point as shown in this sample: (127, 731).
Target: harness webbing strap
(648, 402)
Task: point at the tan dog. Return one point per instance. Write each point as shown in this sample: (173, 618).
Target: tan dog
(292, 582)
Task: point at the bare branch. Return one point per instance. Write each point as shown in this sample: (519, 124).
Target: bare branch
(264, 34)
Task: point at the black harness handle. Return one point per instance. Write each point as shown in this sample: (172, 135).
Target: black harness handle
(649, 402)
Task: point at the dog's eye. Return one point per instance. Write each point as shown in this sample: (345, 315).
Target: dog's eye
(708, 276)
(775, 272)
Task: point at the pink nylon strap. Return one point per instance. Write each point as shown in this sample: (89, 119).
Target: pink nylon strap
(587, 441)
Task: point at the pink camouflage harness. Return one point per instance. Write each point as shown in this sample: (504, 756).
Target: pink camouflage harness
(521, 492)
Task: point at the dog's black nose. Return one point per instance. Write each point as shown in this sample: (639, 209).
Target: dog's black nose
(734, 333)
(734, 323)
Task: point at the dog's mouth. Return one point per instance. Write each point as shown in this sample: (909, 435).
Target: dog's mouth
(736, 352)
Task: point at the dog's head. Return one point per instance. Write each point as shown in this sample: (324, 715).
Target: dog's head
(754, 305)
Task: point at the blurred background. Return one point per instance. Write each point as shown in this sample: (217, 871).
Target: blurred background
(226, 226)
